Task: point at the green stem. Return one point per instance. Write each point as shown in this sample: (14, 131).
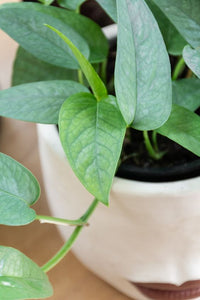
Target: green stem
(59, 221)
(80, 76)
(154, 139)
(67, 246)
(103, 71)
(179, 68)
(78, 9)
(149, 146)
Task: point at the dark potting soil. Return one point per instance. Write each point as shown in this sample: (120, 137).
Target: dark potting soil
(178, 163)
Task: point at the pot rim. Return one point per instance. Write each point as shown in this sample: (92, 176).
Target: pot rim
(49, 134)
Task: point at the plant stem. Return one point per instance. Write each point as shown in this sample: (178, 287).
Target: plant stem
(103, 71)
(59, 221)
(179, 68)
(154, 139)
(80, 76)
(149, 146)
(78, 9)
(67, 246)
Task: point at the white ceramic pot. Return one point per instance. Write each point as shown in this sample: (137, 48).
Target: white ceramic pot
(150, 232)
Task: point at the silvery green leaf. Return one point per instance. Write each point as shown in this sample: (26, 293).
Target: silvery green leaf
(184, 15)
(109, 7)
(20, 277)
(142, 72)
(183, 127)
(192, 59)
(173, 39)
(186, 93)
(18, 190)
(37, 102)
(27, 68)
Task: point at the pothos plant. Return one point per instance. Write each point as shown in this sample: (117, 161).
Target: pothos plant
(59, 78)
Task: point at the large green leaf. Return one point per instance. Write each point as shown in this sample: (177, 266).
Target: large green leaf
(142, 73)
(192, 59)
(109, 7)
(93, 78)
(184, 14)
(28, 68)
(28, 20)
(183, 127)
(18, 190)
(70, 4)
(186, 93)
(92, 134)
(38, 102)
(20, 277)
(173, 40)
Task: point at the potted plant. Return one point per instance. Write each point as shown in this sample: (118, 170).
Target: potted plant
(146, 243)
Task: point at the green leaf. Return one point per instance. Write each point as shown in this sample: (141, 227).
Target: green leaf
(28, 68)
(173, 40)
(186, 93)
(184, 15)
(70, 4)
(183, 127)
(109, 7)
(18, 190)
(92, 134)
(28, 20)
(93, 78)
(143, 87)
(37, 102)
(192, 59)
(46, 2)
(20, 277)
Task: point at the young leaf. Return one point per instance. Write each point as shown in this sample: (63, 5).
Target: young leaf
(109, 7)
(186, 93)
(192, 59)
(20, 277)
(70, 4)
(38, 102)
(173, 40)
(93, 78)
(183, 127)
(27, 68)
(184, 15)
(92, 134)
(18, 190)
(28, 20)
(143, 87)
